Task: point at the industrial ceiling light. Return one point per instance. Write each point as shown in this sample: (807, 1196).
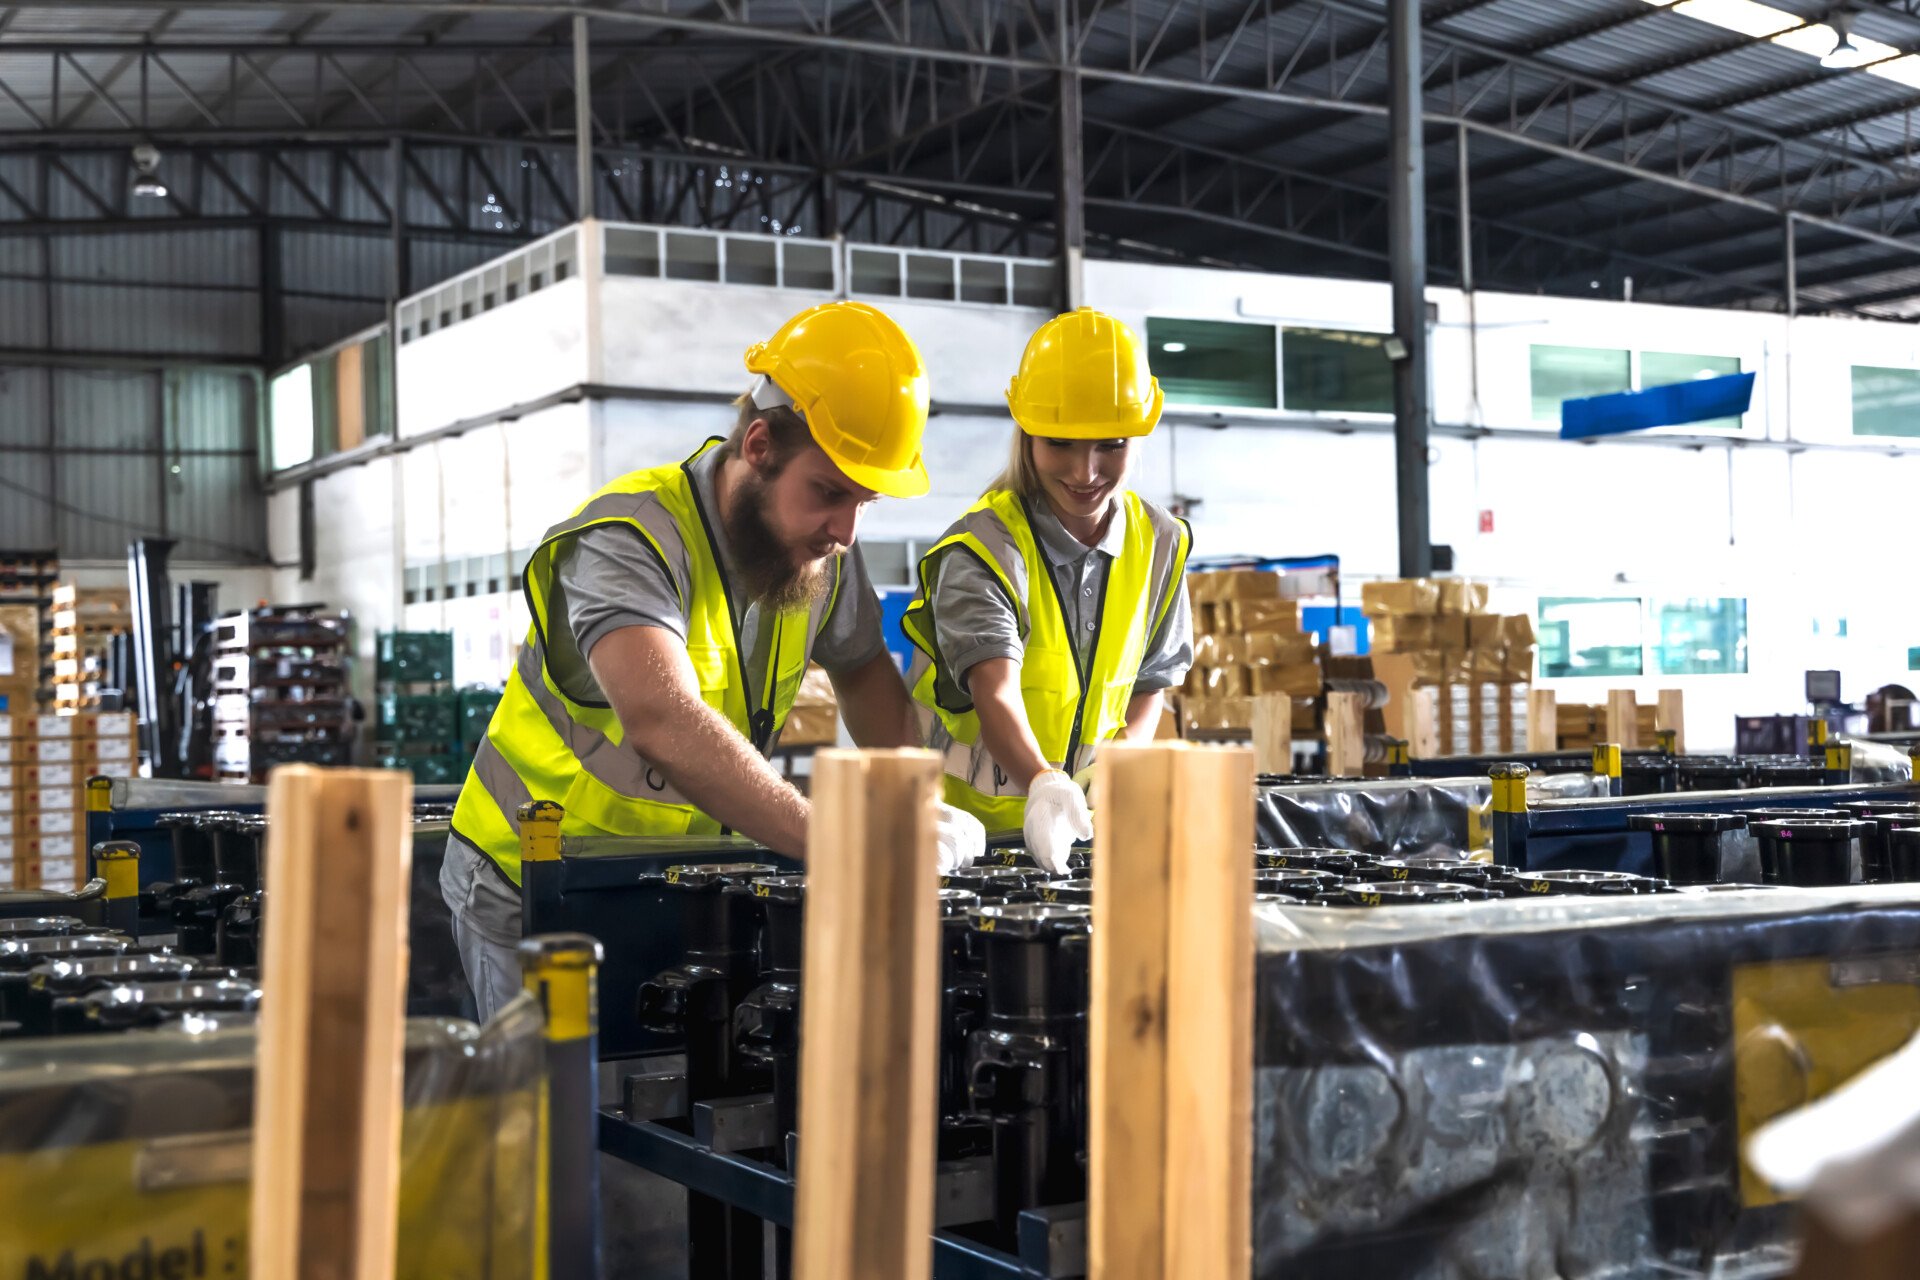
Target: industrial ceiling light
(146, 166)
(1845, 54)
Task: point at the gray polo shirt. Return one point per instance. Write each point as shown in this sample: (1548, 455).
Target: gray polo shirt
(973, 620)
(611, 579)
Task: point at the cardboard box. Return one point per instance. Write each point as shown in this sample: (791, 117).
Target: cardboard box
(1265, 615)
(1224, 682)
(1403, 632)
(1450, 632)
(72, 846)
(811, 727)
(101, 750)
(33, 800)
(1400, 595)
(1218, 714)
(1516, 664)
(1272, 648)
(1517, 630)
(1300, 680)
(60, 873)
(1486, 631)
(12, 824)
(1487, 665)
(57, 822)
(87, 724)
(1459, 596)
(45, 776)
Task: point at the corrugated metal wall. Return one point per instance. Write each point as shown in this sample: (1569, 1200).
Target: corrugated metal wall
(90, 458)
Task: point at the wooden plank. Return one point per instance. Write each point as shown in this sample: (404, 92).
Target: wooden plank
(1273, 733)
(1623, 719)
(1346, 735)
(1543, 721)
(350, 403)
(1209, 1164)
(869, 1029)
(327, 1102)
(1127, 1013)
(1670, 712)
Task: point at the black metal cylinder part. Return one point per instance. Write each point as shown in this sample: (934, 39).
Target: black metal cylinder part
(1686, 846)
(766, 1022)
(20, 956)
(40, 927)
(1903, 854)
(1648, 775)
(1787, 771)
(998, 884)
(1884, 816)
(237, 940)
(1340, 862)
(148, 1004)
(65, 978)
(1028, 1062)
(1711, 773)
(1578, 883)
(1806, 851)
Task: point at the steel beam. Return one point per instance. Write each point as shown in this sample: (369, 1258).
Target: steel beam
(1407, 235)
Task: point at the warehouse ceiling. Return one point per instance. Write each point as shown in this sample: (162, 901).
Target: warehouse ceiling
(1669, 144)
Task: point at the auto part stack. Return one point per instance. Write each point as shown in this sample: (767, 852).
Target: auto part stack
(280, 691)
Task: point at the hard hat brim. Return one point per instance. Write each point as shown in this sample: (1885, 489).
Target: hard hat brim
(1086, 431)
(909, 482)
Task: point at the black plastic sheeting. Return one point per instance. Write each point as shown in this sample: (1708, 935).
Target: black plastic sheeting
(1514, 1089)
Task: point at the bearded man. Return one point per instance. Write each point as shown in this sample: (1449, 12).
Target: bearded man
(674, 614)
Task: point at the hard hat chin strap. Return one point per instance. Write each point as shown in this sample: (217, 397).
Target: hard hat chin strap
(766, 394)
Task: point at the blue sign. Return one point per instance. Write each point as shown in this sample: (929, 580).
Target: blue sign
(1701, 400)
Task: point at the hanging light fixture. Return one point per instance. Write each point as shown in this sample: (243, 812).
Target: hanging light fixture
(1845, 53)
(146, 172)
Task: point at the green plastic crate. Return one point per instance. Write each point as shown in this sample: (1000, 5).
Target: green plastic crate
(420, 717)
(476, 713)
(446, 767)
(411, 657)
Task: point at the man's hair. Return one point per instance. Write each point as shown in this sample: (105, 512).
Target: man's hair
(787, 429)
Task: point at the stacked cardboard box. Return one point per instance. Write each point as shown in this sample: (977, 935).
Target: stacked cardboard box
(85, 622)
(1582, 725)
(1435, 643)
(814, 720)
(19, 658)
(45, 761)
(1247, 642)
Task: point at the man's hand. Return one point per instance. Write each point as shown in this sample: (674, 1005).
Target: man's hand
(651, 686)
(1057, 815)
(962, 838)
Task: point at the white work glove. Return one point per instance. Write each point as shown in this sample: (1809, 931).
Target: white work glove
(961, 838)
(1057, 815)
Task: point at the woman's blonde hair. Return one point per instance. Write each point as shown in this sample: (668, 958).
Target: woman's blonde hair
(1020, 477)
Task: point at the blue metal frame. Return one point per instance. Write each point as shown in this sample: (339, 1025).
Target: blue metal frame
(766, 1192)
(1592, 835)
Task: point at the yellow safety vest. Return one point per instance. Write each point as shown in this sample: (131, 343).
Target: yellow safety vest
(543, 745)
(1070, 708)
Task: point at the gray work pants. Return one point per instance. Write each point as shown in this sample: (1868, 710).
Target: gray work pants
(486, 925)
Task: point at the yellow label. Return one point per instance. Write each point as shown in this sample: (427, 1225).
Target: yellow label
(762, 891)
(1539, 886)
(673, 875)
(1480, 821)
(1370, 899)
(1797, 1037)
(1049, 895)
(985, 925)
(130, 1208)
(1399, 873)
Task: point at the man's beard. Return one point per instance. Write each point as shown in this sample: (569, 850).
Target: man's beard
(768, 574)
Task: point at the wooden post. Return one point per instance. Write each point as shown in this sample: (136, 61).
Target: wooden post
(1670, 712)
(1623, 719)
(327, 1097)
(1543, 721)
(1170, 1031)
(1346, 735)
(869, 1029)
(1273, 733)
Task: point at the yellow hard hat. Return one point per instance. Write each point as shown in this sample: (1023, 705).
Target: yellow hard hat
(1084, 377)
(859, 382)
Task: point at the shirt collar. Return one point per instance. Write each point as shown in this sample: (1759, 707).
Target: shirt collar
(1062, 548)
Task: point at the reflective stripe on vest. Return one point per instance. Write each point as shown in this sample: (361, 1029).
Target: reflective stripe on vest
(1070, 708)
(542, 745)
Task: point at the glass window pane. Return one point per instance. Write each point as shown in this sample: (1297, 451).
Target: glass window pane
(1886, 402)
(1035, 284)
(929, 277)
(875, 272)
(632, 251)
(1583, 636)
(692, 257)
(291, 405)
(326, 399)
(1663, 368)
(1702, 637)
(983, 280)
(1573, 373)
(752, 261)
(1214, 362)
(807, 266)
(1335, 371)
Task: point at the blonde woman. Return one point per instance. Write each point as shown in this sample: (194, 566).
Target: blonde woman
(1052, 616)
